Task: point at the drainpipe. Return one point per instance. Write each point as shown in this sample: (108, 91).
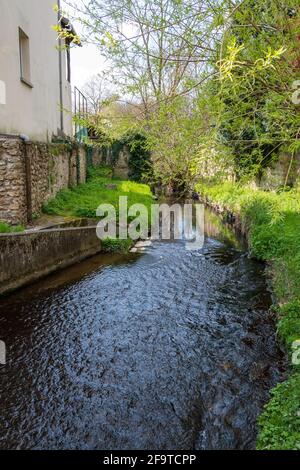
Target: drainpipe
(28, 182)
(59, 15)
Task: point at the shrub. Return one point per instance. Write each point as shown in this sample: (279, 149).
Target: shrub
(280, 421)
(5, 228)
(111, 245)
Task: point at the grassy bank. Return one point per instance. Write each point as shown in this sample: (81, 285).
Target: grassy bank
(6, 228)
(100, 188)
(116, 246)
(273, 224)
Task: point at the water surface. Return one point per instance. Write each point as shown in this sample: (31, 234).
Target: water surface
(169, 349)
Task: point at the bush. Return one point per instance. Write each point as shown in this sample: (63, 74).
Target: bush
(289, 323)
(139, 158)
(280, 421)
(5, 228)
(111, 245)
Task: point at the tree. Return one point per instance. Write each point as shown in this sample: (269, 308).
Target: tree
(257, 117)
(203, 78)
(156, 48)
(96, 91)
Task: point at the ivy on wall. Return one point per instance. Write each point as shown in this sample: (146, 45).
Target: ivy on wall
(139, 154)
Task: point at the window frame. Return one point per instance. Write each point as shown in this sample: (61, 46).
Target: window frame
(24, 79)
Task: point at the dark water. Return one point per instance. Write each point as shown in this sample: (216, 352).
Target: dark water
(169, 349)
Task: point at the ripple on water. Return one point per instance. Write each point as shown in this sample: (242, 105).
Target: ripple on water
(169, 350)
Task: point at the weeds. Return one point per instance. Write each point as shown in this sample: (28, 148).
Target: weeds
(5, 228)
(273, 223)
(83, 200)
(116, 246)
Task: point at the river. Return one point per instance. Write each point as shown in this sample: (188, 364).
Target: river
(164, 349)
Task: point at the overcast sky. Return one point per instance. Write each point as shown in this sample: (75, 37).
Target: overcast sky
(86, 61)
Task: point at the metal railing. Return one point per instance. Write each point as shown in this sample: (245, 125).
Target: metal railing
(80, 114)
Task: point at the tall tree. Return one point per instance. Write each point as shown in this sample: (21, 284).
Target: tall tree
(156, 49)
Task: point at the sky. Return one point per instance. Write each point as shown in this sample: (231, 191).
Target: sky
(86, 61)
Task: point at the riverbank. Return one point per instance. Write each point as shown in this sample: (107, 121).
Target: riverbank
(28, 256)
(6, 228)
(100, 188)
(271, 223)
(67, 234)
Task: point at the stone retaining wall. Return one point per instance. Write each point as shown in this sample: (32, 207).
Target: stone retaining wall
(25, 257)
(285, 170)
(118, 159)
(13, 201)
(32, 173)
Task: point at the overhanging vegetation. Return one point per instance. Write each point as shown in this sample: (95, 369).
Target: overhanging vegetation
(273, 224)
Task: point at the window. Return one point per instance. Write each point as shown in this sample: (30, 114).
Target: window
(24, 58)
(2, 92)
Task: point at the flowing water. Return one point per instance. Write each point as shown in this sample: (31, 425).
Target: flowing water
(166, 349)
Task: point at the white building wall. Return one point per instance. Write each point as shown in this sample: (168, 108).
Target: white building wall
(23, 110)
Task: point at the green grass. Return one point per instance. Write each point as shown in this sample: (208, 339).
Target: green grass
(272, 221)
(5, 228)
(83, 200)
(116, 246)
(280, 422)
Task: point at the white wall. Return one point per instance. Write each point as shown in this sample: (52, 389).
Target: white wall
(24, 110)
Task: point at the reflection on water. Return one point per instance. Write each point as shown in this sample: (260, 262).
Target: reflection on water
(215, 228)
(169, 349)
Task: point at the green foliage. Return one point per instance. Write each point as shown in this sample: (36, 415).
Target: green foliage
(6, 228)
(256, 115)
(280, 421)
(273, 223)
(83, 200)
(289, 323)
(137, 37)
(139, 154)
(60, 147)
(139, 160)
(272, 219)
(287, 275)
(111, 245)
(173, 137)
(99, 172)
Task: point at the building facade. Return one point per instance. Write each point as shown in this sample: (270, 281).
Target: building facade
(35, 89)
